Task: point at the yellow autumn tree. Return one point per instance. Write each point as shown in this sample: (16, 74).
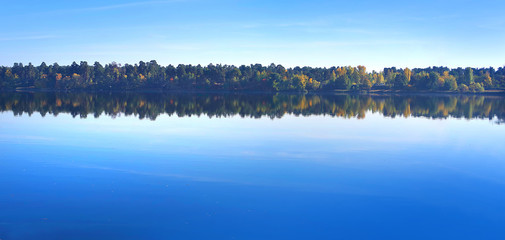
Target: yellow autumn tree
(408, 74)
(341, 71)
(488, 82)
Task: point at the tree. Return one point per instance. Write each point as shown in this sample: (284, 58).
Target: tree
(476, 87)
(408, 73)
(299, 82)
(367, 85)
(380, 78)
(343, 82)
(451, 84)
(333, 78)
(433, 82)
(488, 81)
(463, 88)
(400, 81)
(468, 76)
(252, 77)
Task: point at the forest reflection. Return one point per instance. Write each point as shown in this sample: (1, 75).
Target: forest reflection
(152, 105)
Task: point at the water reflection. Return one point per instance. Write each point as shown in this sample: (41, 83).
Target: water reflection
(317, 177)
(151, 105)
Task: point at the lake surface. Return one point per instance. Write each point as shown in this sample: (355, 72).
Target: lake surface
(251, 166)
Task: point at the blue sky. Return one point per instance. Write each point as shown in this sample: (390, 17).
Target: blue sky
(376, 34)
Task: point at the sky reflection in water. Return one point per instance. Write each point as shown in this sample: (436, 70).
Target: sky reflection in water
(295, 177)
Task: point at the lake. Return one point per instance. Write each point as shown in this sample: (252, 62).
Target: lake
(251, 166)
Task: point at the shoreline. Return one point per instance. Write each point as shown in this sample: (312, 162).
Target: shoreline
(497, 92)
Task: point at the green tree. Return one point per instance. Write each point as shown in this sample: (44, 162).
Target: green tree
(400, 81)
(468, 76)
(433, 82)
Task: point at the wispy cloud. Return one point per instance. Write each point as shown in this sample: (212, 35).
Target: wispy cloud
(433, 18)
(34, 37)
(127, 5)
(493, 24)
(327, 44)
(253, 25)
(302, 24)
(182, 47)
(344, 30)
(114, 6)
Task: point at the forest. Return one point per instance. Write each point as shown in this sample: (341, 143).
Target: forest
(272, 78)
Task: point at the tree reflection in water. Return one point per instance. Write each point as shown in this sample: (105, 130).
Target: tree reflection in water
(151, 105)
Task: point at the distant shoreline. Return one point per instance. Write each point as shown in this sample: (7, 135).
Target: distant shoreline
(150, 76)
(495, 92)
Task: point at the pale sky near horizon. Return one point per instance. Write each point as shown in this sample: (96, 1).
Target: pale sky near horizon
(318, 33)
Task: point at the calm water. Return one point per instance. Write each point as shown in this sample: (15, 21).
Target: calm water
(168, 166)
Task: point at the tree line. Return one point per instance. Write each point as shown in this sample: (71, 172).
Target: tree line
(274, 78)
(152, 105)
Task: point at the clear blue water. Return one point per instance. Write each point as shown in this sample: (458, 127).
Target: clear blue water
(233, 177)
